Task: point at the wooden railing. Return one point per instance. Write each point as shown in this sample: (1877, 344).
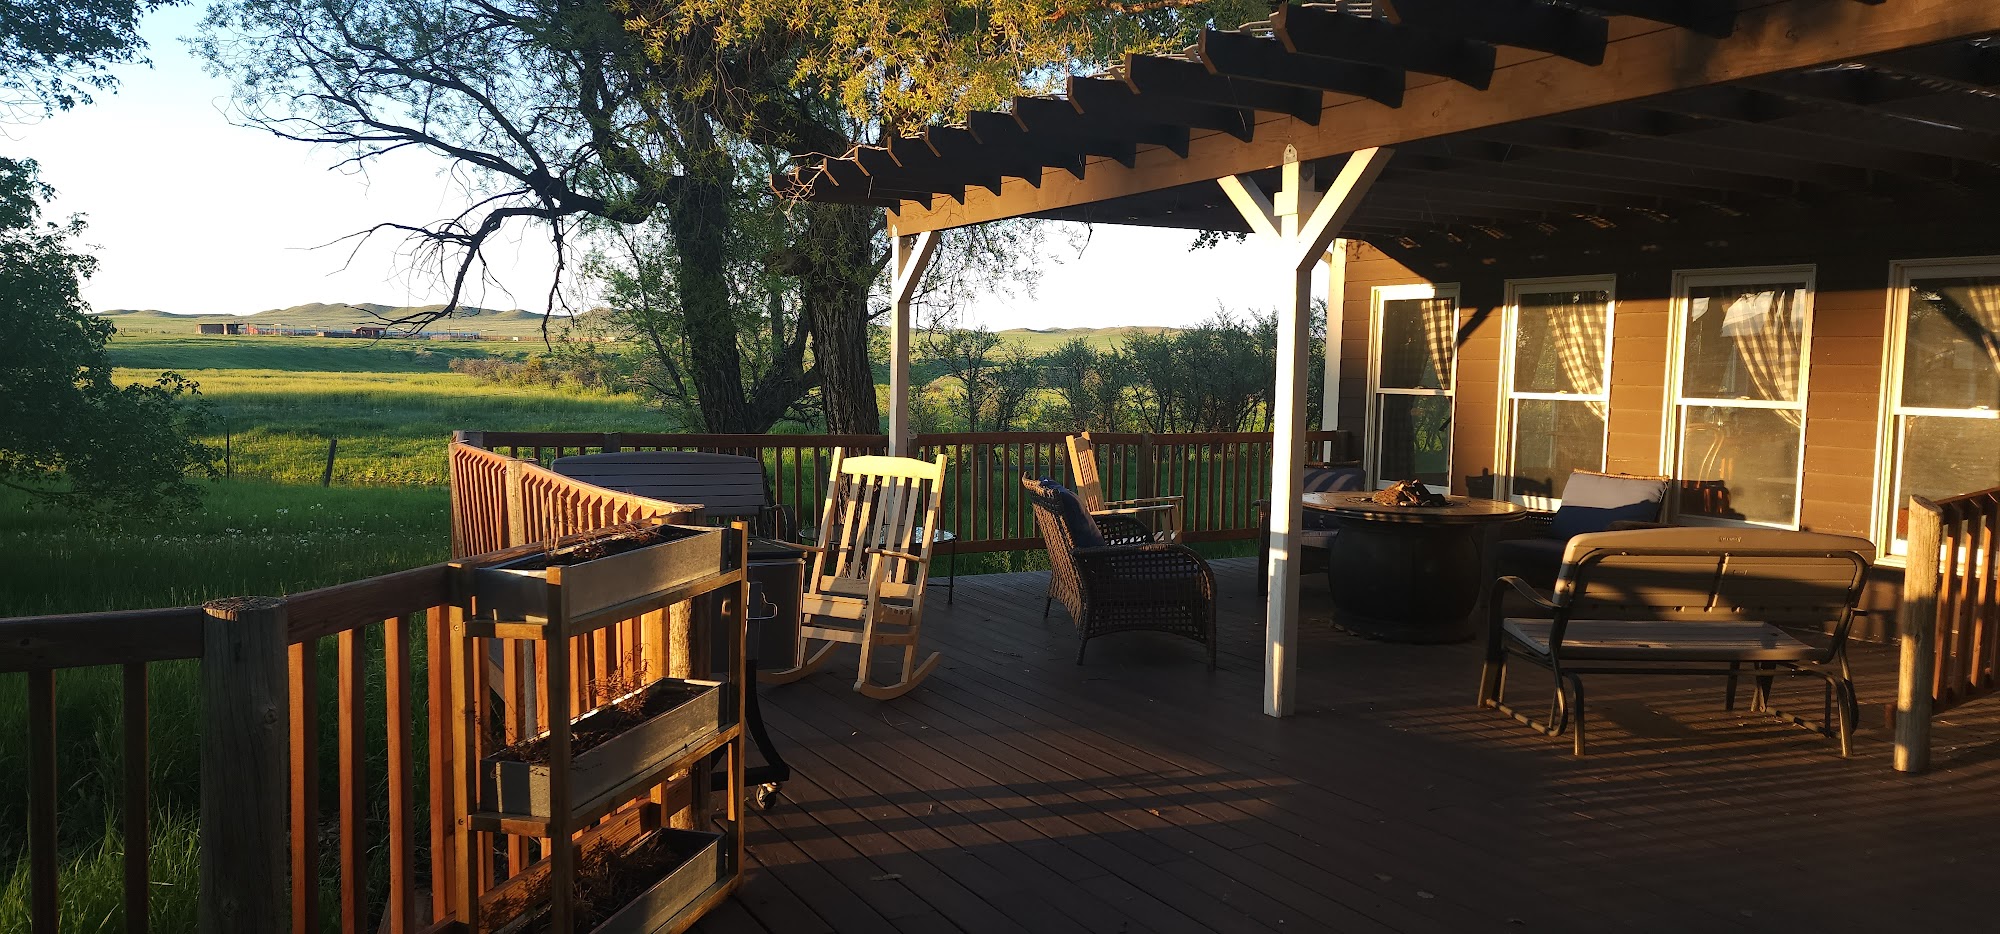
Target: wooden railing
(1949, 620)
(261, 769)
(1220, 475)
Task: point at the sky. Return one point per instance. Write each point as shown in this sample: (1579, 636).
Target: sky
(192, 214)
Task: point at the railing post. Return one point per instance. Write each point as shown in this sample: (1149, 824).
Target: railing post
(517, 518)
(1149, 481)
(614, 442)
(1916, 629)
(245, 713)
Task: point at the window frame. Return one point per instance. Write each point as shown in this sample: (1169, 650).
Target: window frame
(1377, 296)
(1888, 432)
(1503, 455)
(1806, 277)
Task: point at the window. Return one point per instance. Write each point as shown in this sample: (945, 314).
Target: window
(1739, 386)
(1411, 362)
(1555, 383)
(1943, 386)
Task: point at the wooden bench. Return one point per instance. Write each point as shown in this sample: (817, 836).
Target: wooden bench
(1702, 601)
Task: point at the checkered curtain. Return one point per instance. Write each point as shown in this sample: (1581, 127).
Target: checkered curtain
(1770, 349)
(1975, 311)
(1579, 327)
(1440, 333)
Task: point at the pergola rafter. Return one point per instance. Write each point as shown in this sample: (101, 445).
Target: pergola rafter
(1513, 120)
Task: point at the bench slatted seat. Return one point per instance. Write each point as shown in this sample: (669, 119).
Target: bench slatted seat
(1705, 601)
(725, 485)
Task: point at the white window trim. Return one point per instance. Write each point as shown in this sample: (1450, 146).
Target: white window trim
(1889, 440)
(1390, 293)
(1670, 417)
(1503, 454)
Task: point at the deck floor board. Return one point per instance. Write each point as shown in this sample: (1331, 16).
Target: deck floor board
(1016, 790)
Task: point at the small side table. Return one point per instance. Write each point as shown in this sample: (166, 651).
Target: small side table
(945, 536)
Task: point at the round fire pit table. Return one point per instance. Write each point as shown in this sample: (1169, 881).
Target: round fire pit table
(1408, 573)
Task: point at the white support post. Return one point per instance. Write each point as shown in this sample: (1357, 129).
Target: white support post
(1301, 225)
(909, 257)
(1336, 316)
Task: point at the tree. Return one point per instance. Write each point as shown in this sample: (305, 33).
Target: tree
(68, 433)
(52, 55)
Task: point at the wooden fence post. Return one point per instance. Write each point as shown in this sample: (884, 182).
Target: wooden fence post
(1149, 481)
(614, 442)
(1916, 629)
(245, 713)
(326, 477)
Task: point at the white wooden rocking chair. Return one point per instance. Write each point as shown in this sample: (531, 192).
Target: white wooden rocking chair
(866, 587)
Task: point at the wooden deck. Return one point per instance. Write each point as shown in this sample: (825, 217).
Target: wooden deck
(1017, 791)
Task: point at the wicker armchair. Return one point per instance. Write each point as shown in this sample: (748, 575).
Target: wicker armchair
(1126, 583)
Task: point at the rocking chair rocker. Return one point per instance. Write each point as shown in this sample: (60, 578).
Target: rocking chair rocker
(866, 586)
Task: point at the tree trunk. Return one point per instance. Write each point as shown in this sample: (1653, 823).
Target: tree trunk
(698, 216)
(842, 270)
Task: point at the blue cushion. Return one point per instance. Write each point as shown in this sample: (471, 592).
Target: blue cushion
(1592, 501)
(1334, 479)
(1083, 531)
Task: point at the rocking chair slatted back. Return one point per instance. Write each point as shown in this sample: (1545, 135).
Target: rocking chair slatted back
(867, 584)
(1083, 468)
(878, 504)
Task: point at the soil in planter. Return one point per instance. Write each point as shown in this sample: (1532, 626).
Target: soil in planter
(605, 723)
(602, 546)
(608, 879)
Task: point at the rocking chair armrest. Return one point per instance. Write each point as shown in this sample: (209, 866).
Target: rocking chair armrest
(1144, 502)
(801, 546)
(891, 553)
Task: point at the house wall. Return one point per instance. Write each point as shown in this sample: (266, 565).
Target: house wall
(1844, 383)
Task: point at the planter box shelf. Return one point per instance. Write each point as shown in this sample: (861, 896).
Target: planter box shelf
(578, 588)
(684, 887)
(616, 757)
(511, 787)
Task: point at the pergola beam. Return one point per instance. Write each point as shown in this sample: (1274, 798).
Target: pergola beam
(1097, 97)
(1158, 75)
(1777, 37)
(1523, 24)
(1330, 34)
(1235, 55)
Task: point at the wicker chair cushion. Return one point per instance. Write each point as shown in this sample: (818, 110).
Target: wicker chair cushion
(1083, 531)
(1592, 501)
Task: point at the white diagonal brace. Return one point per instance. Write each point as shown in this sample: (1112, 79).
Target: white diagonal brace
(1339, 203)
(1252, 203)
(909, 256)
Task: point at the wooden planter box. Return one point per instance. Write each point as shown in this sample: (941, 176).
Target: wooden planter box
(517, 788)
(634, 571)
(675, 892)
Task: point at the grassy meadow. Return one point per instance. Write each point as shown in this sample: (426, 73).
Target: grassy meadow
(270, 529)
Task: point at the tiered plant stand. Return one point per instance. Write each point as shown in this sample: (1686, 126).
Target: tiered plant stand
(598, 791)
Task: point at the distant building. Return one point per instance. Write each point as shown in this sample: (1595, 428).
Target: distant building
(221, 329)
(372, 333)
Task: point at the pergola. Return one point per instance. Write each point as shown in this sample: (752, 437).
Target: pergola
(1508, 119)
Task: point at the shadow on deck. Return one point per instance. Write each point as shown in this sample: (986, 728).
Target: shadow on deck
(1017, 791)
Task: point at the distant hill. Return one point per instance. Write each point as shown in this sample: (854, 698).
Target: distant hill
(339, 317)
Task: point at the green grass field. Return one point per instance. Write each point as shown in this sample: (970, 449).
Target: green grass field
(270, 530)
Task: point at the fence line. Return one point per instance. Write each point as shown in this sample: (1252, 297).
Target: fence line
(1219, 474)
